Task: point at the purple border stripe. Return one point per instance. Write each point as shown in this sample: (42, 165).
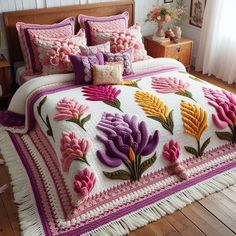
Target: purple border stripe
(33, 185)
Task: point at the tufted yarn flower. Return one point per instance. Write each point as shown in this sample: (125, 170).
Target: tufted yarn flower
(73, 148)
(126, 141)
(171, 152)
(84, 182)
(106, 93)
(69, 109)
(169, 84)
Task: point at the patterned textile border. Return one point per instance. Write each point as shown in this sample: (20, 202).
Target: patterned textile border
(120, 209)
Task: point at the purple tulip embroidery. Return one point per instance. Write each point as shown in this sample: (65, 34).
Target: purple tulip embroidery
(126, 141)
(105, 93)
(171, 85)
(171, 153)
(71, 110)
(84, 182)
(225, 105)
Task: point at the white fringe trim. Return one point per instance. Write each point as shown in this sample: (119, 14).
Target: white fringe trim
(27, 210)
(31, 224)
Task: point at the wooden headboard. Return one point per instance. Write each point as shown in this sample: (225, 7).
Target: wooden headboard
(57, 14)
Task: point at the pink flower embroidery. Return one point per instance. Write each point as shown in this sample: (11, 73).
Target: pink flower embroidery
(225, 105)
(84, 182)
(106, 93)
(171, 85)
(73, 148)
(71, 110)
(171, 153)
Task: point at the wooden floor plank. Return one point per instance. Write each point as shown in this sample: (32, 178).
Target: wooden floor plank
(158, 228)
(221, 210)
(5, 223)
(8, 200)
(186, 227)
(230, 193)
(204, 220)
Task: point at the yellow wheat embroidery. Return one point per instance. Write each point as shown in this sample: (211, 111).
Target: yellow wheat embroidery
(152, 105)
(155, 109)
(130, 82)
(195, 120)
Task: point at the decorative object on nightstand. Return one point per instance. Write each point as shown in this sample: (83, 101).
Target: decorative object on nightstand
(166, 14)
(5, 95)
(181, 51)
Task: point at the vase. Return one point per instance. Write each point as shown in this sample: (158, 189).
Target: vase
(160, 34)
(178, 32)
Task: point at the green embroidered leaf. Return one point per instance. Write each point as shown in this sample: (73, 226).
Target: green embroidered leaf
(186, 94)
(191, 150)
(119, 174)
(133, 84)
(225, 136)
(170, 121)
(156, 118)
(197, 79)
(204, 145)
(183, 72)
(146, 164)
(49, 131)
(85, 119)
(115, 104)
(39, 107)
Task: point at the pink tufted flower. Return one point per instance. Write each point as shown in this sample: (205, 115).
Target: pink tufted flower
(169, 85)
(84, 182)
(69, 109)
(171, 152)
(73, 148)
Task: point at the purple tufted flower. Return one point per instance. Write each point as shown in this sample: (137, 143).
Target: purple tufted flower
(124, 135)
(225, 105)
(84, 182)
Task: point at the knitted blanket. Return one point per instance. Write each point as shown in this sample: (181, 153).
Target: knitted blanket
(104, 160)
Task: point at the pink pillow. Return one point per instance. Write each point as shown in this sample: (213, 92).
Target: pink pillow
(121, 40)
(116, 22)
(54, 54)
(62, 29)
(91, 50)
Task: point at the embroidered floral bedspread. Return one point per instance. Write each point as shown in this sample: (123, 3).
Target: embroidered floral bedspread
(105, 135)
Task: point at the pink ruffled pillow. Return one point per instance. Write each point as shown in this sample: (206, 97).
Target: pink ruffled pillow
(59, 30)
(116, 22)
(121, 40)
(54, 55)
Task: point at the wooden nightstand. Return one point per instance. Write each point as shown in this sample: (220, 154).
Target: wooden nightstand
(5, 80)
(181, 51)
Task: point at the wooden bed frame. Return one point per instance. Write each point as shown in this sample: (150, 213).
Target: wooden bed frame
(57, 14)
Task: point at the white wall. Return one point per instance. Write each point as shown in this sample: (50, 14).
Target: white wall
(142, 7)
(192, 32)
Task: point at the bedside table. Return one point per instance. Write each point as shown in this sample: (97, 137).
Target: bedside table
(5, 80)
(181, 51)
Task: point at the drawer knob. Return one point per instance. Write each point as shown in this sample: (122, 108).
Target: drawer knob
(178, 49)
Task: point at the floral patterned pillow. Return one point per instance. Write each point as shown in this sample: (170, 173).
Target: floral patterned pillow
(124, 57)
(122, 40)
(54, 54)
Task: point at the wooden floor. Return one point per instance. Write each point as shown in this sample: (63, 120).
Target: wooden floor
(214, 215)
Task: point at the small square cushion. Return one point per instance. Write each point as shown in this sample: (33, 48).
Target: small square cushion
(83, 66)
(62, 29)
(107, 74)
(116, 22)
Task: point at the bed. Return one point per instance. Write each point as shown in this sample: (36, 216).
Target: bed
(107, 159)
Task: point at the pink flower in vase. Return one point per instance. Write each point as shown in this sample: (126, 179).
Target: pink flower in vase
(167, 18)
(84, 182)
